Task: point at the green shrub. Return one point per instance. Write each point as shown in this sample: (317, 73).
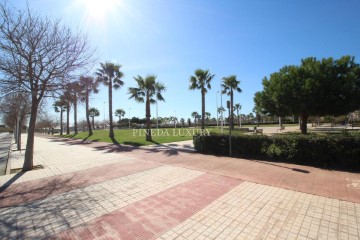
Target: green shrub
(334, 151)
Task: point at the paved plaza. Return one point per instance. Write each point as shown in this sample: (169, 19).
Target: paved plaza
(91, 190)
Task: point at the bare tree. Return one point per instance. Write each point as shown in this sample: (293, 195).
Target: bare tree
(46, 122)
(15, 107)
(38, 55)
(60, 106)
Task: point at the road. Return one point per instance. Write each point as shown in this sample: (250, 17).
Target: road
(5, 141)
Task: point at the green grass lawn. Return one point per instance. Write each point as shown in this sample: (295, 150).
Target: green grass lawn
(136, 137)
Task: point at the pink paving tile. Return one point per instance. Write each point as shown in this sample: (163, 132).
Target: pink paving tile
(334, 184)
(154, 215)
(41, 188)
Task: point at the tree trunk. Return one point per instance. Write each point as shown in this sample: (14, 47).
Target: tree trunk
(67, 118)
(75, 117)
(203, 108)
(93, 122)
(232, 109)
(87, 112)
(28, 161)
(111, 133)
(61, 120)
(18, 132)
(148, 122)
(304, 119)
(238, 117)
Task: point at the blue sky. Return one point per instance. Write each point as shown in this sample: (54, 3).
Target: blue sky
(248, 38)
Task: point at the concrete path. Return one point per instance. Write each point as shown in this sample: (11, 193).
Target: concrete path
(5, 141)
(105, 191)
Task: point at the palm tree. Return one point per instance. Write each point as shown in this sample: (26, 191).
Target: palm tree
(93, 112)
(229, 85)
(208, 115)
(73, 91)
(182, 120)
(147, 90)
(201, 81)
(110, 75)
(237, 107)
(120, 113)
(194, 115)
(88, 86)
(60, 106)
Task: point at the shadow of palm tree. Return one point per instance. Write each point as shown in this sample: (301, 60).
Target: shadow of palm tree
(128, 146)
(277, 165)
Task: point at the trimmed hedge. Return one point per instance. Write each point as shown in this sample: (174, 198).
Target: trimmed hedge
(334, 151)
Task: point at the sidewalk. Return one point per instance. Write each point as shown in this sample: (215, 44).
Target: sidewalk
(327, 183)
(5, 141)
(106, 191)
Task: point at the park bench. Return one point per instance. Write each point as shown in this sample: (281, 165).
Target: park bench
(260, 131)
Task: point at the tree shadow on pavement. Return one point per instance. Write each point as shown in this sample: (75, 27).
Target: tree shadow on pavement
(43, 211)
(276, 165)
(129, 146)
(10, 181)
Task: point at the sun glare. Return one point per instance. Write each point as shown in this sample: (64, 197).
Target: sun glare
(99, 9)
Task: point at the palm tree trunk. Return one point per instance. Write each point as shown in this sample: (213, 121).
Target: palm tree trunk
(61, 120)
(232, 109)
(93, 121)
(237, 112)
(75, 116)
(203, 108)
(29, 152)
(148, 122)
(67, 118)
(87, 112)
(111, 133)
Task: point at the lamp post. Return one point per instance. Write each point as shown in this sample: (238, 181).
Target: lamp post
(129, 117)
(217, 107)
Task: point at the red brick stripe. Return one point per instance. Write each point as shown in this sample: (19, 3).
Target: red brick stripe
(41, 188)
(154, 215)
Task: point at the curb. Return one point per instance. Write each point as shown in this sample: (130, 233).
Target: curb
(8, 162)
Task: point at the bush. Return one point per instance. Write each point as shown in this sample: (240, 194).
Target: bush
(334, 151)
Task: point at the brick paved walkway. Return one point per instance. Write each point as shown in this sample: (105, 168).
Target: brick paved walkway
(104, 191)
